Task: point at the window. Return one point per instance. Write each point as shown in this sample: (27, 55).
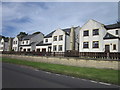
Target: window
(85, 44)
(26, 42)
(54, 47)
(55, 38)
(95, 44)
(46, 40)
(23, 42)
(95, 32)
(60, 37)
(86, 33)
(114, 46)
(16, 42)
(116, 32)
(2, 43)
(60, 47)
(28, 50)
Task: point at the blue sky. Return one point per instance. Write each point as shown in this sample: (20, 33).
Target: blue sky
(48, 16)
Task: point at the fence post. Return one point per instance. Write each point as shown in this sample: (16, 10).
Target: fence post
(108, 55)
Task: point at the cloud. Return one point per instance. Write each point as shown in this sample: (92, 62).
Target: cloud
(48, 16)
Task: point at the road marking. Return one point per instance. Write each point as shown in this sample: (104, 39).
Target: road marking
(104, 83)
(36, 70)
(48, 72)
(57, 74)
(93, 81)
(83, 79)
(73, 77)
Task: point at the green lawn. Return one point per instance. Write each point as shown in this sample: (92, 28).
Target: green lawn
(104, 75)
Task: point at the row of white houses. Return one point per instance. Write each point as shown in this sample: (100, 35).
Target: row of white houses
(93, 36)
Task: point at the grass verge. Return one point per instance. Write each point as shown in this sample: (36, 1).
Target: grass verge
(104, 75)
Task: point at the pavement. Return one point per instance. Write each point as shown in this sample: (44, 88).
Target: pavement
(18, 76)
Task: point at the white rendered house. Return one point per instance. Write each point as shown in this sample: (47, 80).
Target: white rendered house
(29, 42)
(64, 39)
(4, 44)
(93, 37)
(46, 44)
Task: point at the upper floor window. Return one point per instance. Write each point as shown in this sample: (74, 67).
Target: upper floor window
(46, 40)
(116, 32)
(27, 42)
(60, 37)
(55, 38)
(95, 32)
(16, 42)
(86, 33)
(85, 44)
(23, 42)
(95, 44)
(54, 47)
(2, 43)
(114, 46)
(60, 48)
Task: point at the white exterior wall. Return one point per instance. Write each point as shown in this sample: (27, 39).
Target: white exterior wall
(26, 47)
(2, 45)
(111, 42)
(49, 40)
(90, 25)
(57, 33)
(41, 47)
(15, 46)
(113, 32)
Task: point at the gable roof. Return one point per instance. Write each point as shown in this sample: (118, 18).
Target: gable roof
(43, 44)
(67, 31)
(49, 35)
(28, 37)
(110, 36)
(112, 26)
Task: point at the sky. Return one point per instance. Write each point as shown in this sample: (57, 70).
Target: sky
(45, 17)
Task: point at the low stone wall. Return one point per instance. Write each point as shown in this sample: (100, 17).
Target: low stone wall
(69, 61)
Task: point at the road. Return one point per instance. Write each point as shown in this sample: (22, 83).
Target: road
(17, 76)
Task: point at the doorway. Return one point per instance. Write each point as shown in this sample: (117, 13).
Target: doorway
(107, 48)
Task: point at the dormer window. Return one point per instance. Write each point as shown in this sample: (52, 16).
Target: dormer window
(116, 32)
(55, 38)
(95, 32)
(46, 40)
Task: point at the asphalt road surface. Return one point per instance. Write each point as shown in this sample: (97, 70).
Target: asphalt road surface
(16, 76)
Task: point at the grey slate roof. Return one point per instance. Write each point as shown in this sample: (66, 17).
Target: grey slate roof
(49, 35)
(28, 37)
(112, 26)
(110, 36)
(67, 31)
(43, 44)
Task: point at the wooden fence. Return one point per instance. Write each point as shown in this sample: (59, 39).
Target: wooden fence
(91, 55)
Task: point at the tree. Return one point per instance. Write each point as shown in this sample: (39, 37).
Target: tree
(22, 34)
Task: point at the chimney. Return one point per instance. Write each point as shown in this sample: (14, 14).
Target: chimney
(72, 37)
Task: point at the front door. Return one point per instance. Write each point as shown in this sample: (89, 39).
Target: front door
(107, 48)
(44, 50)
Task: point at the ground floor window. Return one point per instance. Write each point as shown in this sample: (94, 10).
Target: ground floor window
(95, 44)
(60, 47)
(85, 44)
(54, 47)
(114, 46)
(38, 50)
(24, 50)
(28, 50)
